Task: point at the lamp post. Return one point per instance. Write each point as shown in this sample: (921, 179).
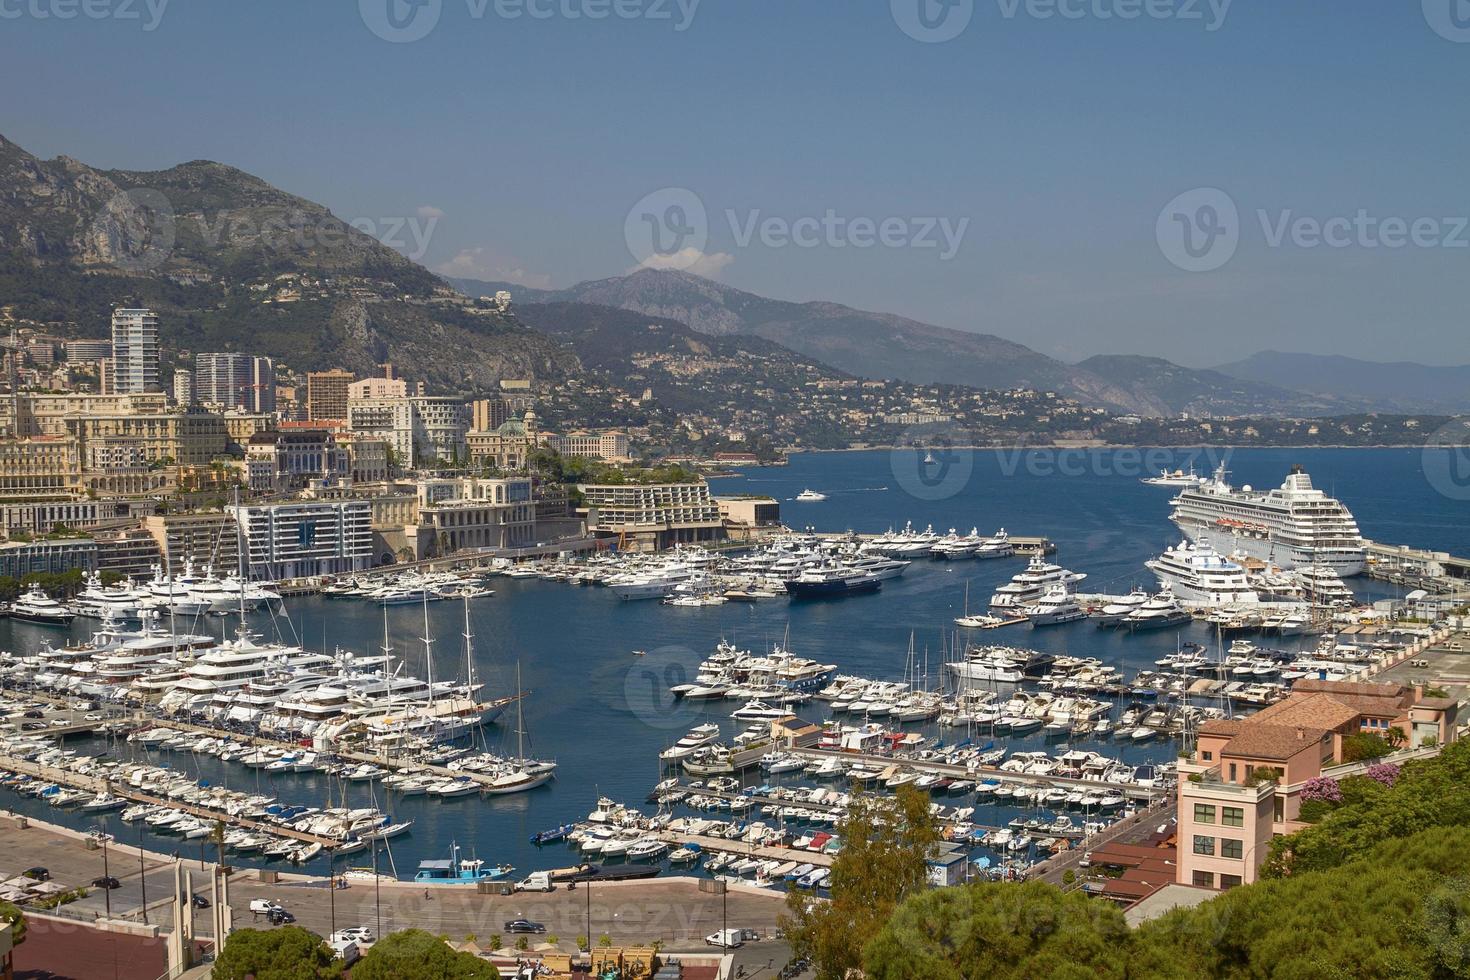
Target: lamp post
(106, 884)
(142, 873)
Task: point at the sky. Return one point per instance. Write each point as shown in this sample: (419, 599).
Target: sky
(1191, 179)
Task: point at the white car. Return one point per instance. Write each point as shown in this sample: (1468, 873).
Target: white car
(357, 934)
(263, 906)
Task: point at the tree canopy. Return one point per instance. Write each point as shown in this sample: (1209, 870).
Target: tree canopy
(886, 845)
(287, 953)
(417, 955)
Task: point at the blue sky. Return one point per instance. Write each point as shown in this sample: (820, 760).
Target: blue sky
(1057, 140)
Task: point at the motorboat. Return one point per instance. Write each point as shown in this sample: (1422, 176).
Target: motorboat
(810, 496)
(35, 606)
(1058, 605)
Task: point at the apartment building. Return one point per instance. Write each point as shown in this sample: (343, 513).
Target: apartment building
(305, 538)
(39, 466)
(204, 539)
(234, 380)
(1242, 785)
(327, 393)
(653, 516)
(134, 351)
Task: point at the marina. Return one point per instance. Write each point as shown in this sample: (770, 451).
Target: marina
(584, 679)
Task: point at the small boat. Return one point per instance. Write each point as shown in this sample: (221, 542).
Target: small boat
(553, 835)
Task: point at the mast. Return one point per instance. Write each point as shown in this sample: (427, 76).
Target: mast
(520, 717)
(428, 649)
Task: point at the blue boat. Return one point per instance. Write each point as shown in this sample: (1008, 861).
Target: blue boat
(459, 871)
(553, 835)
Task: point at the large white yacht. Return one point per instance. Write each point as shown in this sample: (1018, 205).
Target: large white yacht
(230, 665)
(36, 606)
(1196, 572)
(1031, 583)
(1295, 524)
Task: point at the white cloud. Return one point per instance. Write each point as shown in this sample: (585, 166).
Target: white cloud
(483, 263)
(707, 264)
(429, 211)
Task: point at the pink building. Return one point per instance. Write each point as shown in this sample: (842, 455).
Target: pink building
(1243, 784)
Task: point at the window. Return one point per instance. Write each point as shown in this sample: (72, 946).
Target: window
(1280, 808)
(1204, 845)
(1229, 881)
(1204, 813)
(1204, 879)
(1207, 756)
(1231, 848)
(1232, 816)
(1232, 772)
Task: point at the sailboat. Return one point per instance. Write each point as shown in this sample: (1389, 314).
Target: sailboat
(519, 774)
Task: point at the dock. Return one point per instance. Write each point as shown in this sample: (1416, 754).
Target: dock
(93, 784)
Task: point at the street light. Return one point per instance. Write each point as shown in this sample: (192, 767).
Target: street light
(106, 889)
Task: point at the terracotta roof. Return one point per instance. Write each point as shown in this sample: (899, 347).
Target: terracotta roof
(1274, 742)
(1440, 704)
(1324, 711)
(1221, 726)
(1310, 685)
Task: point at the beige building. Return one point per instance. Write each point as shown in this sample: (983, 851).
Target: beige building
(205, 539)
(378, 388)
(611, 445)
(653, 516)
(39, 466)
(327, 393)
(507, 446)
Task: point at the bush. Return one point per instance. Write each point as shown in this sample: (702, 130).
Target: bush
(1364, 745)
(287, 953)
(416, 955)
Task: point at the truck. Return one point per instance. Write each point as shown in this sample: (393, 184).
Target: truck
(536, 881)
(726, 938)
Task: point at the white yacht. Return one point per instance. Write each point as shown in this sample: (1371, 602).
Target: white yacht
(1031, 583)
(1196, 572)
(698, 737)
(1057, 605)
(810, 496)
(121, 601)
(1322, 586)
(36, 606)
(1117, 608)
(230, 665)
(1293, 525)
(955, 545)
(1175, 478)
(1159, 612)
(998, 545)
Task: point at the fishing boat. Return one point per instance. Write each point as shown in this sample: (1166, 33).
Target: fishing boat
(455, 870)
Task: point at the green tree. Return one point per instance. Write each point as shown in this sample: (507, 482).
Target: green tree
(999, 930)
(12, 914)
(416, 955)
(288, 953)
(886, 847)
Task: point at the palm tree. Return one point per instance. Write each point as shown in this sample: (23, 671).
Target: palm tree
(217, 836)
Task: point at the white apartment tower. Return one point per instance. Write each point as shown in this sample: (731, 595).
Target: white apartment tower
(134, 351)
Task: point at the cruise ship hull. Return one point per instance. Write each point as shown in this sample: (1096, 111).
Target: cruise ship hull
(1343, 561)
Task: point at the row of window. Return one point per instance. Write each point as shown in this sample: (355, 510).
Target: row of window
(1230, 816)
(1206, 879)
(1229, 847)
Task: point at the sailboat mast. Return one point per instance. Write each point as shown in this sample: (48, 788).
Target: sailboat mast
(428, 650)
(520, 716)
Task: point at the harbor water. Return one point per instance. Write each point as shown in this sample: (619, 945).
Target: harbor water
(603, 714)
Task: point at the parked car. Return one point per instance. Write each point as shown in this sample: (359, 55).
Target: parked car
(279, 917)
(37, 874)
(356, 934)
(524, 925)
(200, 902)
(106, 881)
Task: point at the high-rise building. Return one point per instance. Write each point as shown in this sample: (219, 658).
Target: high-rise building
(134, 351)
(183, 387)
(234, 380)
(326, 393)
(488, 414)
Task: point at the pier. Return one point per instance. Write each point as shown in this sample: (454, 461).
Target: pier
(93, 784)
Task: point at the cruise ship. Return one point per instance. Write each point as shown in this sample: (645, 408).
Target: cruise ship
(1195, 572)
(1293, 525)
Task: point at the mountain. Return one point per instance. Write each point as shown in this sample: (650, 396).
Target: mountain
(232, 263)
(1399, 386)
(882, 345)
(1171, 390)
